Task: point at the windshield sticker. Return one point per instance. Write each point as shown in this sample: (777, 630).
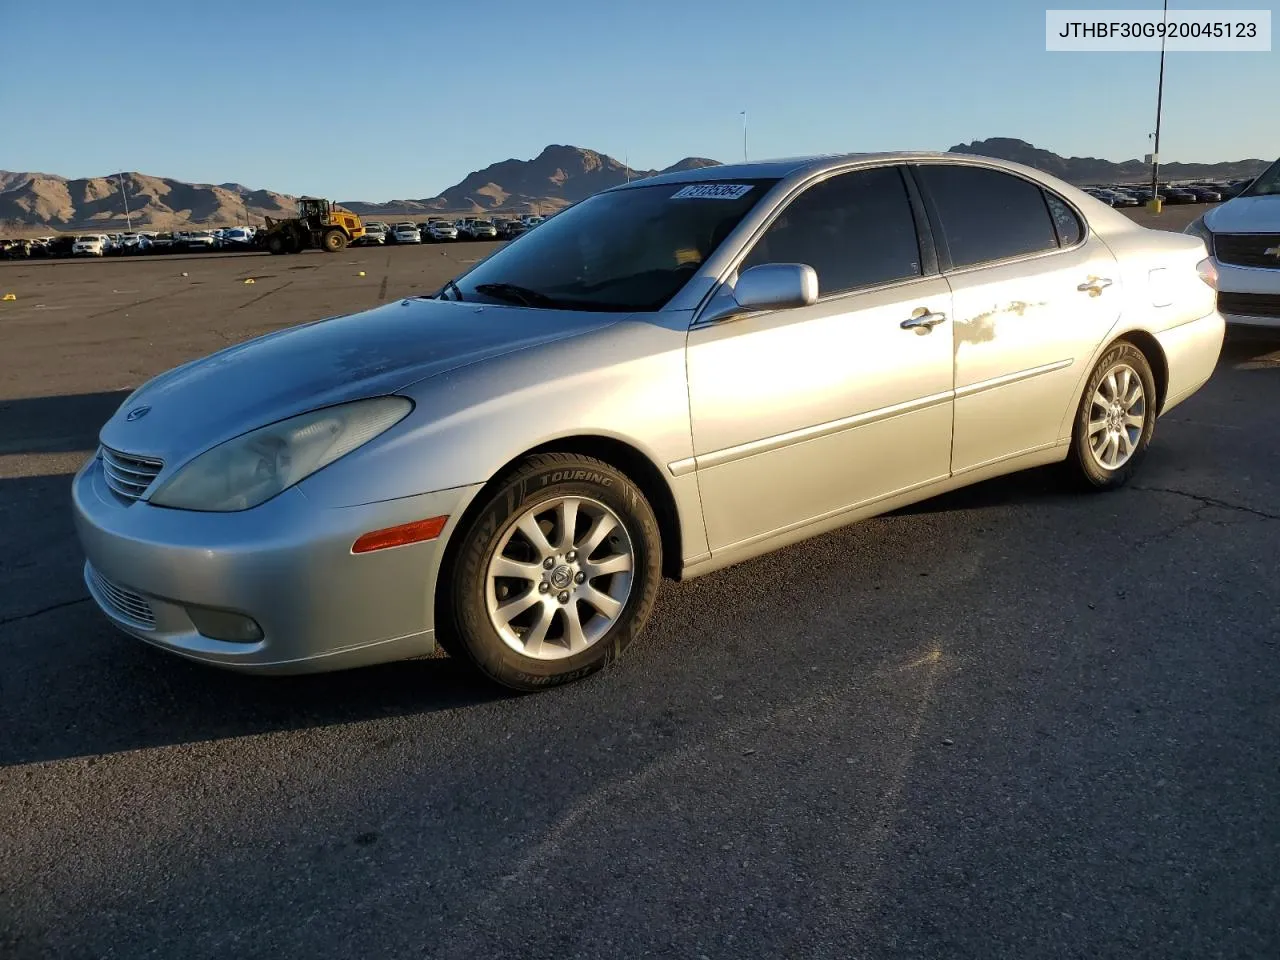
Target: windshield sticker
(712, 191)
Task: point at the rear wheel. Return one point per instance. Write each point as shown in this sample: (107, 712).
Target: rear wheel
(335, 241)
(1116, 418)
(555, 576)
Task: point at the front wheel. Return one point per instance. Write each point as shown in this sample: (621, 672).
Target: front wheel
(275, 243)
(1116, 418)
(335, 241)
(555, 576)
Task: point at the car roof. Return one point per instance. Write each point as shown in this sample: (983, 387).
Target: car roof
(791, 166)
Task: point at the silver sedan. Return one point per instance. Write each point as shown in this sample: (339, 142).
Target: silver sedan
(674, 375)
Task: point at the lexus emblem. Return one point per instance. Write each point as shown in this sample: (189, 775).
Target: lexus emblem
(137, 413)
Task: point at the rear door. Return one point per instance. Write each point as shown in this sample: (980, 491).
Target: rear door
(1033, 295)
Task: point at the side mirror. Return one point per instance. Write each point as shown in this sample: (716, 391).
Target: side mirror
(769, 286)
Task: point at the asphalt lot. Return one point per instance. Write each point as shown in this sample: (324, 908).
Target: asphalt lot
(1015, 721)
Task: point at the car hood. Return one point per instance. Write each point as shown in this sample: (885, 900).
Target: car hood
(202, 403)
(1246, 215)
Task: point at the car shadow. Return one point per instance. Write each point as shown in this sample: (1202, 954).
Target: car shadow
(63, 424)
(1028, 486)
(1248, 344)
(71, 685)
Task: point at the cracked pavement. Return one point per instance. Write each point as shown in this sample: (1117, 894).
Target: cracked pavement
(1015, 721)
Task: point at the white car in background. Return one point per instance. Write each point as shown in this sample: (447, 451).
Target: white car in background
(406, 233)
(482, 230)
(131, 243)
(236, 238)
(201, 240)
(1243, 235)
(375, 234)
(442, 230)
(89, 245)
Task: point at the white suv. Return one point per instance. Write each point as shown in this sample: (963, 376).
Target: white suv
(92, 245)
(1244, 237)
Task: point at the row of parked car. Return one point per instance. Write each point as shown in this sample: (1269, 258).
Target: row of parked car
(377, 233)
(130, 243)
(1201, 191)
(440, 230)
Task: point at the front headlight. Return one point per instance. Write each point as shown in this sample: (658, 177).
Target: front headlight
(1196, 228)
(252, 468)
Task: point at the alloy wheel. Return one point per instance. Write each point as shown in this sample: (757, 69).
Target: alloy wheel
(559, 578)
(1117, 417)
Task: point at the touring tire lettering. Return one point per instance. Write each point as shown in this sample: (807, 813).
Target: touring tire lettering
(569, 476)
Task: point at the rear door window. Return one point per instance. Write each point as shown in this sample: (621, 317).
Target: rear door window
(985, 214)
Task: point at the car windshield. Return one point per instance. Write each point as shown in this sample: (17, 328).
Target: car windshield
(627, 250)
(1267, 185)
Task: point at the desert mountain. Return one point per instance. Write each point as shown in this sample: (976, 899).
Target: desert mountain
(558, 176)
(1093, 170)
(40, 202)
(46, 201)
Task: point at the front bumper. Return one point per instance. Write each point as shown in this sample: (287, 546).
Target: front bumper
(287, 564)
(1258, 281)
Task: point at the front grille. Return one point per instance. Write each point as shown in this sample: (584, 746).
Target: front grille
(1248, 249)
(128, 476)
(1250, 304)
(123, 602)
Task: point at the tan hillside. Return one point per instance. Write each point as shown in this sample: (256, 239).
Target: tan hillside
(40, 202)
(558, 176)
(34, 203)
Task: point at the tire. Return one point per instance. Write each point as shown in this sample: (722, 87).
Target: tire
(1110, 439)
(534, 648)
(275, 243)
(335, 241)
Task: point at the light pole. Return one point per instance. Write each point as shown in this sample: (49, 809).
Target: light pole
(127, 219)
(1155, 154)
(744, 136)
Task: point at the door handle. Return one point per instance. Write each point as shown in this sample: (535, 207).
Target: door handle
(923, 320)
(1094, 286)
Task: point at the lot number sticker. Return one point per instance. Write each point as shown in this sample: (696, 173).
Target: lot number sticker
(712, 191)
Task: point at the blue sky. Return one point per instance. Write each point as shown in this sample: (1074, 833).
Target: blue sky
(421, 93)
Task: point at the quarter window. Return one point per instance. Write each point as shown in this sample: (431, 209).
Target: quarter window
(855, 230)
(1065, 220)
(986, 214)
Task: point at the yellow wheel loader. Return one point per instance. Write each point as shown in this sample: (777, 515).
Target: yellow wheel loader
(319, 223)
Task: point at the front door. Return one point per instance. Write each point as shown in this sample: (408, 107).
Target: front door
(804, 413)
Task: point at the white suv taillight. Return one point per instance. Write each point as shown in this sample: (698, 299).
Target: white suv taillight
(1208, 272)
